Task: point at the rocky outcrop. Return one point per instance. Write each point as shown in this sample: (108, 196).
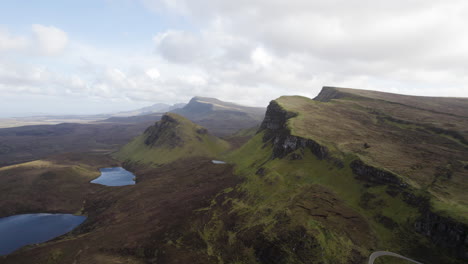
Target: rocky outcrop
(276, 130)
(444, 232)
(373, 175)
(164, 128)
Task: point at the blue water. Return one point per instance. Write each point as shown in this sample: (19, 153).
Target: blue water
(21, 230)
(218, 162)
(116, 176)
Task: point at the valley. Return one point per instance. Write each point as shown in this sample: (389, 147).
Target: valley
(325, 180)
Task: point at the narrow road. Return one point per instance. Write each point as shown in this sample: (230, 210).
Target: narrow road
(377, 254)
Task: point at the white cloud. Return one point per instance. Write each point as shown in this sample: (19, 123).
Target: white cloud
(260, 57)
(181, 46)
(153, 73)
(9, 42)
(50, 40)
(301, 45)
(252, 51)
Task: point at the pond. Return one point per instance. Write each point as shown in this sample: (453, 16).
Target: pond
(218, 162)
(26, 229)
(116, 176)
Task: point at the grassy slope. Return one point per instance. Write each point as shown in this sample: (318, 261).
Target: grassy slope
(312, 194)
(401, 139)
(192, 144)
(323, 199)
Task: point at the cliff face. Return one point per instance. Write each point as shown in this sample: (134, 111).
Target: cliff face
(442, 231)
(373, 175)
(276, 130)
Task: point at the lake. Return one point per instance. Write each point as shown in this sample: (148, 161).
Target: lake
(26, 229)
(116, 176)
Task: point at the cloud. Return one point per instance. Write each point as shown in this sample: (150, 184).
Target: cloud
(50, 40)
(9, 42)
(252, 51)
(181, 46)
(153, 73)
(302, 45)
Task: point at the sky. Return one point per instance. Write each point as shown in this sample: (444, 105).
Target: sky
(103, 56)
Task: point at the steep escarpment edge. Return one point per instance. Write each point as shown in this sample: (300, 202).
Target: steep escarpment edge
(442, 231)
(329, 93)
(276, 130)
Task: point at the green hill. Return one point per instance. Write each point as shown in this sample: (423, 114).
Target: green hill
(172, 138)
(333, 179)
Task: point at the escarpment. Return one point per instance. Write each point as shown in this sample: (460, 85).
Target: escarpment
(373, 175)
(277, 131)
(280, 128)
(444, 232)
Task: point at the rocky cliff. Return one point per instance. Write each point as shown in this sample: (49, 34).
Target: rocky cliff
(276, 130)
(443, 231)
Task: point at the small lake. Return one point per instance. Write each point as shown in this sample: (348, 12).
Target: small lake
(26, 229)
(116, 176)
(218, 162)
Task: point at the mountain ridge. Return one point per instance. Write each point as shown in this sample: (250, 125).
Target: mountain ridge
(312, 169)
(219, 117)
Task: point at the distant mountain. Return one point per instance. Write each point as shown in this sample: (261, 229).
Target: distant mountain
(219, 117)
(133, 119)
(156, 108)
(120, 117)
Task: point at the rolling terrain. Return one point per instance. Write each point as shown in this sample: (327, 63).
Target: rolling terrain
(29, 143)
(125, 223)
(55, 184)
(325, 180)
